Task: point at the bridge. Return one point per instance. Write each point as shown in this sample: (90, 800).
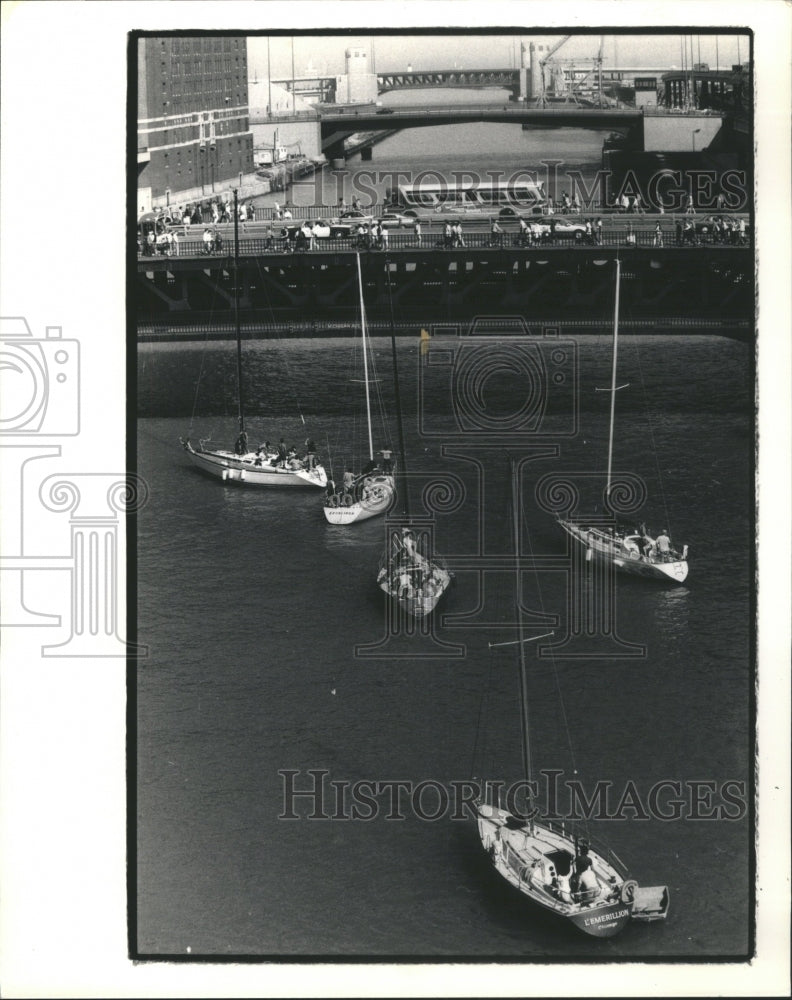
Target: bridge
(338, 123)
(318, 290)
(470, 78)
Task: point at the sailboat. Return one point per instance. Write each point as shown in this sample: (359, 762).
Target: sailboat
(408, 572)
(373, 493)
(627, 549)
(560, 871)
(243, 465)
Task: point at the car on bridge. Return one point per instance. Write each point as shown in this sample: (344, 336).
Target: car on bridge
(320, 230)
(721, 228)
(562, 227)
(388, 220)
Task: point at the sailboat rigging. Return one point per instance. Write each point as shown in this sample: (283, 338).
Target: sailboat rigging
(257, 467)
(407, 573)
(372, 492)
(629, 549)
(562, 872)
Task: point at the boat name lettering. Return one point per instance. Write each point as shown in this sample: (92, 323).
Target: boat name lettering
(606, 918)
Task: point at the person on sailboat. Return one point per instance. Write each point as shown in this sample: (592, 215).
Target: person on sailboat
(663, 543)
(241, 444)
(410, 548)
(349, 481)
(282, 453)
(310, 453)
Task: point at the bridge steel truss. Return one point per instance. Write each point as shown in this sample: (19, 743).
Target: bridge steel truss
(320, 287)
(509, 78)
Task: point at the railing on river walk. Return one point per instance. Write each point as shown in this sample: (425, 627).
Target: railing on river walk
(408, 241)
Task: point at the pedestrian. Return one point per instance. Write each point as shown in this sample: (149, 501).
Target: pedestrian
(624, 203)
(417, 234)
(525, 232)
(630, 238)
(589, 232)
(637, 205)
(658, 236)
(689, 210)
(741, 229)
(458, 241)
(598, 230)
(678, 229)
(496, 234)
(383, 237)
(447, 236)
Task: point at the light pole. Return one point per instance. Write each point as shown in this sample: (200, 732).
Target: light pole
(269, 78)
(693, 135)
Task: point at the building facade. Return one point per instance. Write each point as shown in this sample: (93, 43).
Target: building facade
(194, 136)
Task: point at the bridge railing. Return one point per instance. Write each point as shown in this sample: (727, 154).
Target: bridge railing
(407, 241)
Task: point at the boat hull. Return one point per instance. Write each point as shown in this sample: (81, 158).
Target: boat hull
(636, 564)
(419, 606)
(520, 856)
(378, 494)
(230, 468)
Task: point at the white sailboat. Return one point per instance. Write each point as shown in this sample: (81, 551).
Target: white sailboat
(560, 871)
(408, 571)
(628, 550)
(243, 465)
(372, 493)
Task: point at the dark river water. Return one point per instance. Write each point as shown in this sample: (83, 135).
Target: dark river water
(253, 606)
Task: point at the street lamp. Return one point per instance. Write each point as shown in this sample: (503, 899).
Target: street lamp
(693, 135)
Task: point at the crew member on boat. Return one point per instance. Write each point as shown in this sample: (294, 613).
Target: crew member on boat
(663, 543)
(310, 453)
(349, 481)
(410, 548)
(241, 444)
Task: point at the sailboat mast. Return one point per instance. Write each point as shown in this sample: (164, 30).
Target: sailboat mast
(240, 402)
(365, 359)
(526, 742)
(613, 379)
(402, 454)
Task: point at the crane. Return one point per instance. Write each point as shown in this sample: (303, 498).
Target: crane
(575, 84)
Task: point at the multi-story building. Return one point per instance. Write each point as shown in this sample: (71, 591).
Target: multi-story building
(194, 137)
